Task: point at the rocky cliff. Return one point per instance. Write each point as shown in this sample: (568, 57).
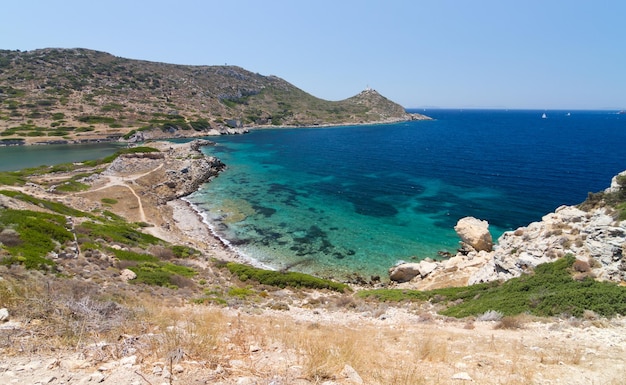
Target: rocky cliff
(594, 232)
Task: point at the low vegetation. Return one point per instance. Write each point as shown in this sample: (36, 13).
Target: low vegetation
(615, 200)
(550, 291)
(282, 279)
(61, 267)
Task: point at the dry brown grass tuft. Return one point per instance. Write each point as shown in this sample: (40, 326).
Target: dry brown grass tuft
(510, 322)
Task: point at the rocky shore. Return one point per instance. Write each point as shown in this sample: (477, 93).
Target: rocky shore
(596, 236)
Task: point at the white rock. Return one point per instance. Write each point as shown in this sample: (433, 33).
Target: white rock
(462, 376)
(404, 272)
(128, 361)
(426, 268)
(475, 233)
(4, 315)
(127, 275)
(246, 381)
(351, 374)
(108, 366)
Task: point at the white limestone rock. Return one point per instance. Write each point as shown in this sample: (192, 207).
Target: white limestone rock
(475, 233)
(404, 272)
(4, 315)
(127, 275)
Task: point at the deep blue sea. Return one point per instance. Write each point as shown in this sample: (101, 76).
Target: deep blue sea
(332, 201)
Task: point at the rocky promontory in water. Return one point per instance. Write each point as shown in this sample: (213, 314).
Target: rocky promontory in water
(594, 232)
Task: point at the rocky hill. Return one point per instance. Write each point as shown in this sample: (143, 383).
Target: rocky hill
(83, 95)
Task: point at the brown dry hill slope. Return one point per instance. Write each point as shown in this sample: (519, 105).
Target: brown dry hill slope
(81, 95)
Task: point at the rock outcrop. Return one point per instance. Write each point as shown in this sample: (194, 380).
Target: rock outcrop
(595, 236)
(404, 272)
(177, 170)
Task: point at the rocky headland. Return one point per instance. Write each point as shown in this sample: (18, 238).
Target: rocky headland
(594, 233)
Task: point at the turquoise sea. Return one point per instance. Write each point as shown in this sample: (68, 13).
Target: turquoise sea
(339, 200)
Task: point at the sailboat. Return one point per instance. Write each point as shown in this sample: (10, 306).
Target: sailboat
(544, 116)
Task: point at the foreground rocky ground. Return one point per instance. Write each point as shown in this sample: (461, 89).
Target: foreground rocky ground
(95, 327)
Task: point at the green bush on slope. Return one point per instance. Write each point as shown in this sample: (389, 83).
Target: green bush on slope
(549, 291)
(282, 279)
(39, 234)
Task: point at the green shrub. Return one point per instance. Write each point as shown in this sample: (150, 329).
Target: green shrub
(39, 234)
(283, 279)
(108, 201)
(57, 207)
(72, 186)
(159, 274)
(117, 232)
(111, 158)
(549, 291)
(240, 292)
(184, 251)
(92, 119)
(11, 178)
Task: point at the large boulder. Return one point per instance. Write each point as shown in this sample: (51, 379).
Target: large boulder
(404, 272)
(475, 233)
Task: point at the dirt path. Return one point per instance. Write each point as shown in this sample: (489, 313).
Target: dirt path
(124, 181)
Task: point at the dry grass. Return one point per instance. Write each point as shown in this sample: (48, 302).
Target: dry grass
(295, 345)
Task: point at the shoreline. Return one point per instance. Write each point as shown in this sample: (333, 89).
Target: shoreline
(154, 134)
(187, 208)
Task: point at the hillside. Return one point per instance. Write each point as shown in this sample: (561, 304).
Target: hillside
(83, 95)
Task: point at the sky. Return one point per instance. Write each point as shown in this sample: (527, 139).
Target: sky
(531, 54)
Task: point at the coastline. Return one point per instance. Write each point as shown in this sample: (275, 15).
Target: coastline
(156, 134)
(193, 222)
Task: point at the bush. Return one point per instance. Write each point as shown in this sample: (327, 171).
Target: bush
(39, 234)
(91, 119)
(550, 291)
(117, 232)
(52, 206)
(282, 279)
(167, 275)
(581, 266)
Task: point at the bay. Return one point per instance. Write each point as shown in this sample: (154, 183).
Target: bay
(333, 201)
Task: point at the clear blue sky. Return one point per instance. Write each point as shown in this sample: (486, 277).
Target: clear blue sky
(493, 53)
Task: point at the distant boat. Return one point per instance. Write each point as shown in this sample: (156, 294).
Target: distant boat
(543, 116)
(622, 112)
(568, 114)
